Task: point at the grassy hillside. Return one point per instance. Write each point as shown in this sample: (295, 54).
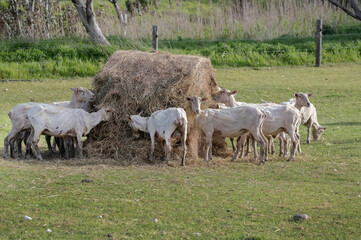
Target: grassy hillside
(221, 200)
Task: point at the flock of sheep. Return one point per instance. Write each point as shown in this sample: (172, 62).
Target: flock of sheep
(69, 121)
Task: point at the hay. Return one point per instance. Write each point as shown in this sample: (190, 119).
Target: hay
(132, 81)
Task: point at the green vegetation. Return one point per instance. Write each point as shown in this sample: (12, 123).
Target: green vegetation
(61, 58)
(224, 200)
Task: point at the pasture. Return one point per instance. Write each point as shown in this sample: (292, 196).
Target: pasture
(221, 200)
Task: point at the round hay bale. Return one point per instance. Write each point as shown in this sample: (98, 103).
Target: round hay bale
(134, 81)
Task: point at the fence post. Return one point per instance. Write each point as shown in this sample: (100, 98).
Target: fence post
(318, 42)
(155, 38)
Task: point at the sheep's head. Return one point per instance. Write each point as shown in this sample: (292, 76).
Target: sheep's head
(302, 99)
(134, 123)
(196, 103)
(317, 132)
(108, 113)
(224, 96)
(83, 94)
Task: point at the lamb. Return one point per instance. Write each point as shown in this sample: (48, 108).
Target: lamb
(163, 123)
(63, 122)
(229, 122)
(279, 118)
(19, 122)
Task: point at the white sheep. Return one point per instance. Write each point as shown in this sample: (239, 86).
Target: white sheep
(19, 122)
(279, 117)
(63, 122)
(162, 123)
(229, 122)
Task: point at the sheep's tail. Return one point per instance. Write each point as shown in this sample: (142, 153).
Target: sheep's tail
(179, 121)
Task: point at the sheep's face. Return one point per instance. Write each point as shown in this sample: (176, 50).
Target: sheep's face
(196, 103)
(108, 113)
(83, 94)
(302, 99)
(133, 124)
(317, 133)
(223, 96)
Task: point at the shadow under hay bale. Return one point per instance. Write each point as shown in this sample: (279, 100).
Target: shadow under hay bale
(134, 81)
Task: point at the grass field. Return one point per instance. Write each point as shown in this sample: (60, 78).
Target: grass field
(223, 200)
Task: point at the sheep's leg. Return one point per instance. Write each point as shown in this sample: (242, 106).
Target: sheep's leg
(240, 144)
(261, 139)
(254, 144)
(184, 145)
(34, 142)
(65, 144)
(53, 146)
(210, 153)
(298, 143)
(152, 145)
(292, 133)
(168, 148)
(287, 147)
(12, 144)
(248, 145)
(28, 138)
(48, 142)
(233, 146)
(271, 146)
(60, 143)
(309, 125)
(241, 141)
(281, 147)
(7, 139)
(79, 146)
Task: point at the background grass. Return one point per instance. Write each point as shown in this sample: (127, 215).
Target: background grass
(223, 200)
(77, 57)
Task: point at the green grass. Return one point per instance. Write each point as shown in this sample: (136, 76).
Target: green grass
(76, 57)
(221, 201)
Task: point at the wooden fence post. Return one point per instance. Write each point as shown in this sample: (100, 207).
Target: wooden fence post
(155, 38)
(318, 42)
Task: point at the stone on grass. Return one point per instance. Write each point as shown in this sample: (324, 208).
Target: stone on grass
(299, 217)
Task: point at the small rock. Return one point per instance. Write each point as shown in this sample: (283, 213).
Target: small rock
(48, 230)
(100, 216)
(228, 210)
(298, 217)
(197, 234)
(335, 170)
(86, 181)
(28, 218)
(155, 220)
(6, 89)
(109, 236)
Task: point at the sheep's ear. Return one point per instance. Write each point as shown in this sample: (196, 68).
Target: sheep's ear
(217, 106)
(204, 99)
(76, 90)
(296, 95)
(73, 89)
(188, 98)
(310, 94)
(129, 117)
(234, 92)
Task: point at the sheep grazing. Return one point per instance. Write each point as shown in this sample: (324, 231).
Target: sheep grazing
(63, 122)
(163, 123)
(309, 119)
(19, 122)
(229, 122)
